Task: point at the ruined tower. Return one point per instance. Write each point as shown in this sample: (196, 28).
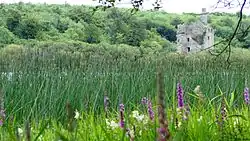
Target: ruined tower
(204, 16)
(196, 36)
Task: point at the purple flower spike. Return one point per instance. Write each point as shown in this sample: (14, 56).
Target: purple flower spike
(163, 134)
(150, 110)
(147, 102)
(1, 122)
(121, 108)
(180, 95)
(122, 123)
(246, 95)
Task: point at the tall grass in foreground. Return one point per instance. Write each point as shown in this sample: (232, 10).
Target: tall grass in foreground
(204, 122)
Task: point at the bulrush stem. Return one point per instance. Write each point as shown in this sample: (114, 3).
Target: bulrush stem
(18, 138)
(70, 114)
(28, 130)
(223, 116)
(223, 112)
(1, 99)
(163, 132)
(2, 110)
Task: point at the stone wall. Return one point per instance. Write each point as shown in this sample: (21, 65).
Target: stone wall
(194, 37)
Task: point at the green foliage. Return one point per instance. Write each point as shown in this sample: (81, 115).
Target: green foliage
(136, 33)
(13, 20)
(92, 34)
(117, 28)
(62, 24)
(243, 36)
(80, 13)
(28, 27)
(167, 33)
(176, 21)
(6, 37)
(224, 32)
(75, 32)
(191, 20)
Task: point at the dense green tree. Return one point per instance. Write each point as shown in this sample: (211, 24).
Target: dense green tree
(167, 33)
(191, 20)
(136, 34)
(13, 19)
(28, 27)
(243, 31)
(176, 21)
(6, 37)
(81, 13)
(243, 35)
(92, 34)
(116, 28)
(225, 21)
(75, 32)
(151, 24)
(61, 25)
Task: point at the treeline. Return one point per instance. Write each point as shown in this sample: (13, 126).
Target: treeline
(41, 22)
(26, 23)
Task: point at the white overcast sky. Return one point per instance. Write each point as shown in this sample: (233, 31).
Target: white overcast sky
(172, 6)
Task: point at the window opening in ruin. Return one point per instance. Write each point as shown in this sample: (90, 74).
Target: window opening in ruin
(188, 39)
(188, 49)
(208, 37)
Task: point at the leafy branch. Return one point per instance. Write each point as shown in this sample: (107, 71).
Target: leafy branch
(137, 4)
(229, 4)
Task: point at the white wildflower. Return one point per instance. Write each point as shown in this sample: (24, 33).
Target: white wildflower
(179, 124)
(140, 132)
(132, 134)
(135, 114)
(107, 122)
(199, 119)
(112, 124)
(77, 114)
(197, 89)
(20, 131)
(236, 122)
(10, 76)
(140, 117)
(40, 138)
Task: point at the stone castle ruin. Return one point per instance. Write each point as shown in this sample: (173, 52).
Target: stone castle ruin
(196, 36)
